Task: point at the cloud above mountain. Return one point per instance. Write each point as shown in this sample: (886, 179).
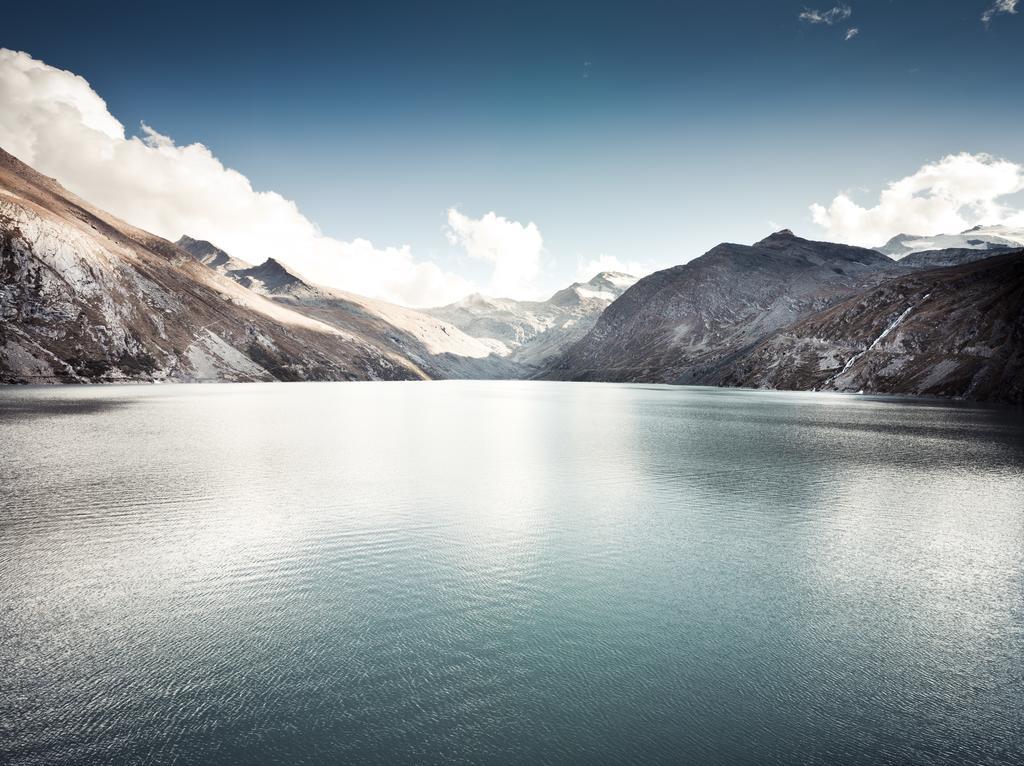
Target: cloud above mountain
(953, 194)
(53, 120)
(514, 250)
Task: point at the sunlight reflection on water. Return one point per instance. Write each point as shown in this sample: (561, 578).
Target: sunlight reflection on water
(523, 572)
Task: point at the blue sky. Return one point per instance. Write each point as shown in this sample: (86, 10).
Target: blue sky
(648, 131)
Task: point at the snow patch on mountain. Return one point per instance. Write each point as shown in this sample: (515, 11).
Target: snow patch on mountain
(977, 238)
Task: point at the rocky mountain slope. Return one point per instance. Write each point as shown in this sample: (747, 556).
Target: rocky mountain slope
(87, 297)
(684, 324)
(957, 331)
(437, 347)
(977, 238)
(531, 333)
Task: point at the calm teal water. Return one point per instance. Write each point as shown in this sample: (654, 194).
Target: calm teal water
(507, 573)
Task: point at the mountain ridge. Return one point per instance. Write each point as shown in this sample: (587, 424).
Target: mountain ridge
(89, 298)
(440, 349)
(85, 297)
(679, 324)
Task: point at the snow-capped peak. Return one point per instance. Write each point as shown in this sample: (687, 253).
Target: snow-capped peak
(615, 279)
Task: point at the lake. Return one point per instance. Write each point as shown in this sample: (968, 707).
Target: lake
(507, 572)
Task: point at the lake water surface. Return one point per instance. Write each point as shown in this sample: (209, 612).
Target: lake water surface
(507, 573)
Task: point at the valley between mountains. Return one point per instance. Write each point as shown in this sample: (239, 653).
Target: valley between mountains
(86, 297)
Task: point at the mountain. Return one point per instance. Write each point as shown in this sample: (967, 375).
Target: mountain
(935, 259)
(210, 255)
(957, 331)
(531, 333)
(475, 337)
(87, 297)
(437, 347)
(683, 324)
(977, 238)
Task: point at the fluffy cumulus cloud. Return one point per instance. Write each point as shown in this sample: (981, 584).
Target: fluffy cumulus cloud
(587, 268)
(951, 195)
(513, 250)
(997, 8)
(831, 16)
(55, 122)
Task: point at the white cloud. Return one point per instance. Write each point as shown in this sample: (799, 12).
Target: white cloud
(829, 17)
(999, 6)
(851, 33)
(54, 121)
(513, 249)
(586, 269)
(951, 195)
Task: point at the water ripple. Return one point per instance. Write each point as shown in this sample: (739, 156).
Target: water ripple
(492, 572)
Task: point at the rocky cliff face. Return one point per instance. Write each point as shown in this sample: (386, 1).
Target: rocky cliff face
(955, 332)
(684, 324)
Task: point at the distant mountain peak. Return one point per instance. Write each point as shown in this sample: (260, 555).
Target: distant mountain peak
(209, 254)
(903, 238)
(615, 279)
(478, 300)
(530, 331)
(187, 242)
(605, 286)
(782, 236)
(273, 276)
(274, 266)
(980, 237)
(199, 247)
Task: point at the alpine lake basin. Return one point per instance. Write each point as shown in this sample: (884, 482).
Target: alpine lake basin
(508, 572)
